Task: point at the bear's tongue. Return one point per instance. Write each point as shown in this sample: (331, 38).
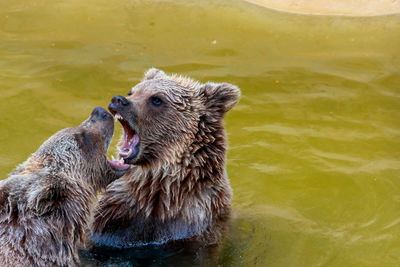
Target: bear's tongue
(129, 148)
(131, 140)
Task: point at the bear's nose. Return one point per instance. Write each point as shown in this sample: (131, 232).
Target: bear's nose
(100, 114)
(118, 102)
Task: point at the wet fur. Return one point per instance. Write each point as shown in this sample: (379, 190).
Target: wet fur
(45, 203)
(179, 189)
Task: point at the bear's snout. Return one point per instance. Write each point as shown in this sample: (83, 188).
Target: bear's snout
(118, 102)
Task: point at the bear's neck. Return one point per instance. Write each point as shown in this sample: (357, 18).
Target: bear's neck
(196, 179)
(52, 238)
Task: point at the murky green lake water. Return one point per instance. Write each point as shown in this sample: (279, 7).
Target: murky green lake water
(314, 155)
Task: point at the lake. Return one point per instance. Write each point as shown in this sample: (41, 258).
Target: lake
(314, 144)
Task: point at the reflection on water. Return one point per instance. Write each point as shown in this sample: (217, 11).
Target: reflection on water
(314, 153)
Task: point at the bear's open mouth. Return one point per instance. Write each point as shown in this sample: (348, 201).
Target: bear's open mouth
(130, 146)
(117, 165)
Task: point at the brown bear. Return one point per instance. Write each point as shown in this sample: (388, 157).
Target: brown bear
(45, 203)
(177, 187)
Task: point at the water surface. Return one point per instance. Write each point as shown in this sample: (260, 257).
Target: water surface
(314, 157)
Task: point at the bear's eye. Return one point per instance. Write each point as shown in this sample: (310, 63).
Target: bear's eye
(156, 101)
(129, 93)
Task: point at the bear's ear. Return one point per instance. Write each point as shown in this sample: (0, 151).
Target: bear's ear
(153, 73)
(220, 97)
(47, 195)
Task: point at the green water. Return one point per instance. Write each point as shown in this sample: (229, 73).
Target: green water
(314, 156)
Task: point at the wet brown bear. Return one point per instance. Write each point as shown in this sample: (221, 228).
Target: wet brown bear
(177, 188)
(45, 202)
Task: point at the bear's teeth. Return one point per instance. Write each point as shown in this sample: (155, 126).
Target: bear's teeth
(125, 153)
(118, 116)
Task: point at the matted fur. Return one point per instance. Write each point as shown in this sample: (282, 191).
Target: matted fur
(45, 203)
(178, 188)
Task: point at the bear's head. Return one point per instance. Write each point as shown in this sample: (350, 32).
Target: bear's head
(165, 117)
(80, 152)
